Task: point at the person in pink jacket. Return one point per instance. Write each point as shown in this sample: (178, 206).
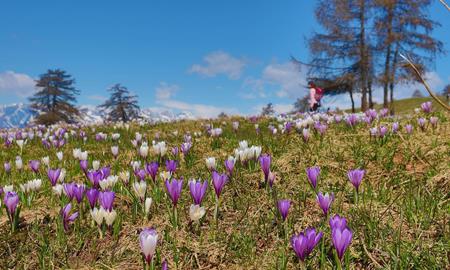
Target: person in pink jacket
(315, 94)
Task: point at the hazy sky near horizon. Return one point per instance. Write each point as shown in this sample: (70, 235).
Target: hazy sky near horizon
(199, 56)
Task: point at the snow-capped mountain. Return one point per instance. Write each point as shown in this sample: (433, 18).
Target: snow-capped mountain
(19, 115)
(15, 115)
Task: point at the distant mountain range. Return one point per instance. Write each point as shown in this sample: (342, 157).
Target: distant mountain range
(19, 115)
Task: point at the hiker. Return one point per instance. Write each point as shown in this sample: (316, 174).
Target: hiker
(315, 95)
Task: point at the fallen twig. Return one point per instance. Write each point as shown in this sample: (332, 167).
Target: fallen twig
(427, 87)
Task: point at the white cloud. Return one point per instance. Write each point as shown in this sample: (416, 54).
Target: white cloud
(254, 88)
(220, 62)
(166, 91)
(17, 84)
(164, 98)
(288, 77)
(198, 110)
(289, 80)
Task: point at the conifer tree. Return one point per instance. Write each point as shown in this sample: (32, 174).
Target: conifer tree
(55, 98)
(121, 106)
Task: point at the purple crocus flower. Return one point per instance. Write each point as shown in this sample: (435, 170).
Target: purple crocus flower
(372, 114)
(421, 121)
(140, 173)
(175, 151)
(325, 201)
(355, 177)
(229, 166)
(305, 133)
(185, 147)
(352, 120)
(271, 179)
(219, 181)
(7, 167)
(171, 165)
(66, 217)
(409, 128)
(341, 240)
(53, 175)
(338, 222)
(197, 190)
(105, 171)
(11, 201)
(164, 265)
(148, 238)
(92, 196)
(69, 190)
(78, 192)
(382, 131)
(304, 242)
(321, 128)
(426, 107)
(152, 169)
(395, 127)
(106, 199)
(34, 165)
(94, 177)
(434, 121)
(313, 174)
(283, 208)
(264, 161)
(384, 112)
(174, 189)
(84, 165)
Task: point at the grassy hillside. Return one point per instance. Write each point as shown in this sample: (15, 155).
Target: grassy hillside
(398, 217)
(407, 105)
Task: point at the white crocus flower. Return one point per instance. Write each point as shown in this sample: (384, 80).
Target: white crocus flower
(143, 150)
(59, 155)
(110, 216)
(19, 163)
(98, 215)
(95, 165)
(20, 144)
(148, 203)
(196, 212)
(124, 176)
(76, 153)
(62, 175)
(140, 188)
(8, 188)
(83, 155)
(46, 161)
(115, 150)
(57, 189)
(211, 163)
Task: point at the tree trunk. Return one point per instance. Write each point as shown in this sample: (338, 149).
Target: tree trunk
(363, 56)
(387, 63)
(392, 80)
(369, 88)
(350, 92)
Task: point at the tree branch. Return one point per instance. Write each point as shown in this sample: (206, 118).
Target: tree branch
(427, 87)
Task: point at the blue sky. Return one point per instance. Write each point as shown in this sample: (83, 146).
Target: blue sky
(201, 56)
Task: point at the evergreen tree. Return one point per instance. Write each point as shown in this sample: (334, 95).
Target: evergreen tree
(302, 104)
(268, 110)
(417, 94)
(446, 92)
(121, 106)
(344, 43)
(403, 26)
(55, 99)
